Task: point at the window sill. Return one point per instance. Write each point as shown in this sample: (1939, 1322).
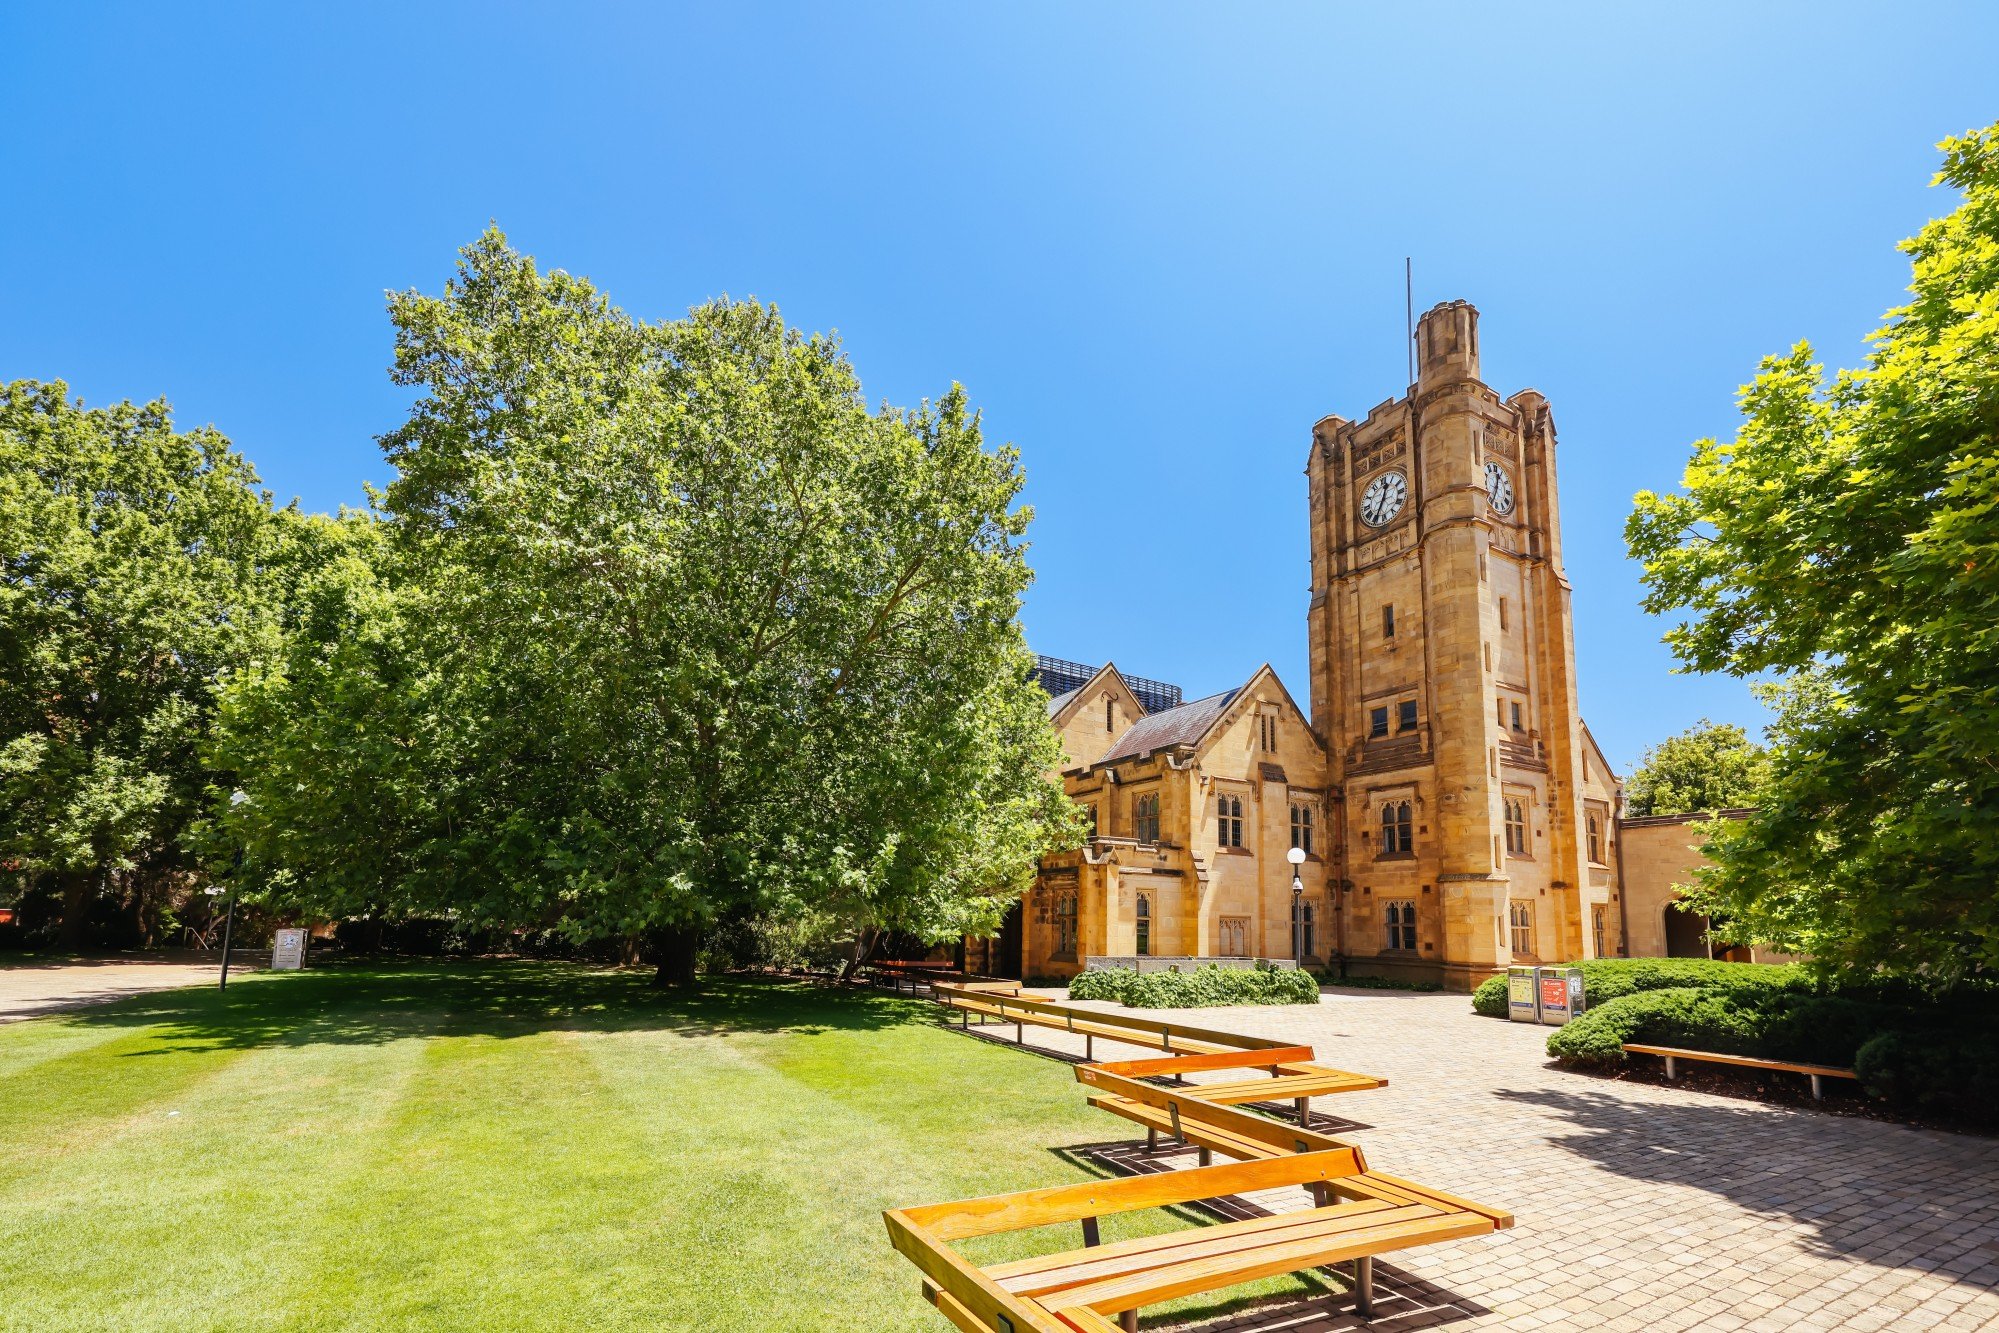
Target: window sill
(1395, 856)
(1233, 851)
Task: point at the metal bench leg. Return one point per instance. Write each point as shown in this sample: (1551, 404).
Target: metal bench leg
(1019, 1034)
(1089, 1045)
(1363, 1287)
(1672, 1070)
(1305, 1112)
(1091, 1236)
(1128, 1321)
(1151, 1139)
(1818, 1091)
(1207, 1157)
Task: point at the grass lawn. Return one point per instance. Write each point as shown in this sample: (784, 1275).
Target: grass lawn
(507, 1146)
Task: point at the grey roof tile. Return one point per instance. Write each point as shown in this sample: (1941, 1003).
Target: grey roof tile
(1173, 726)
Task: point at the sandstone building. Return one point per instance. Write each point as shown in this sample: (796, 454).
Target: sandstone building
(1455, 814)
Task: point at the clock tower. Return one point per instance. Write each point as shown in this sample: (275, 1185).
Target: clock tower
(1474, 811)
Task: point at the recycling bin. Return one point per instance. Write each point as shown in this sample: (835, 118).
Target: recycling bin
(1520, 1002)
(1558, 994)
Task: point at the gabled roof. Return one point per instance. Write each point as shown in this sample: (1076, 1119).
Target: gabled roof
(1184, 725)
(1061, 701)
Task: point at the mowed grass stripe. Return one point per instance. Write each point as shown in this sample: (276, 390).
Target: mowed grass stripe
(511, 1147)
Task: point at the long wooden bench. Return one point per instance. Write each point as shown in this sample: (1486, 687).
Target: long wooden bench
(1356, 1215)
(1674, 1054)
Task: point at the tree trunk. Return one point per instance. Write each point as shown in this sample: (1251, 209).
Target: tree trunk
(673, 950)
(865, 954)
(75, 909)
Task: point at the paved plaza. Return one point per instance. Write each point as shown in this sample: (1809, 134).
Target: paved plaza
(1638, 1206)
(31, 989)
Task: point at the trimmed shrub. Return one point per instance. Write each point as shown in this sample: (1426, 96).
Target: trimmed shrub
(1607, 979)
(1331, 977)
(1939, 1073)
(1202, 987)
(1597, 1037)
(1490, 997)
(1101, 984)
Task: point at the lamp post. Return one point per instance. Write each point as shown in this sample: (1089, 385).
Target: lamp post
(236, 798)
(1296, 856)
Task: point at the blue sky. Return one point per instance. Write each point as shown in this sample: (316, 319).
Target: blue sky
(1155, 242)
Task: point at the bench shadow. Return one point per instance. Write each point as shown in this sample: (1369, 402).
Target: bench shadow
(1832, 1174)
(353, 1005)
(1403, 1301)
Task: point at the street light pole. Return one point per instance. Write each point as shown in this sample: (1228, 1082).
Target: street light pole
(236, 798)
(1297, 858)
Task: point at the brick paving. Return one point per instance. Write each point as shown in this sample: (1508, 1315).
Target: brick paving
(1637, 1206)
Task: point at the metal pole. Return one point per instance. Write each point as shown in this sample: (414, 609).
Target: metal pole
(228, 920)
(1297, 919)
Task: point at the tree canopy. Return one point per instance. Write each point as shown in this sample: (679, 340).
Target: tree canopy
(138, 563)
(658, 624)
(1844, 546)
(1709, 766)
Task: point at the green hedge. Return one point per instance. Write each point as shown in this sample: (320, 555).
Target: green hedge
(1606, 979)
(1929, 1058)
(1200, 988)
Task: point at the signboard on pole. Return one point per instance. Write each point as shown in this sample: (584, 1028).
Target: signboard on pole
(288, 953)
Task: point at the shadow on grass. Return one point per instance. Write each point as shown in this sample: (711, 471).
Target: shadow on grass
(367, 1005)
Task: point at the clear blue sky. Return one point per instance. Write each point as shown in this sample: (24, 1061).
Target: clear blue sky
(1155, 242)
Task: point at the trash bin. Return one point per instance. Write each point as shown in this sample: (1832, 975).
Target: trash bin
(1558, 994)
(1520, 1005)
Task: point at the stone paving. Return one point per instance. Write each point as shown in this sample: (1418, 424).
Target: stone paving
(1638, 1206)
(30, 989)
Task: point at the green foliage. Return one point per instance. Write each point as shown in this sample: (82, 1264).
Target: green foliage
(1937, 1059)
(1845, 545)
(1607, 979)
(1709, 766)
(1202, 987)
(138, 565)
(659, 626)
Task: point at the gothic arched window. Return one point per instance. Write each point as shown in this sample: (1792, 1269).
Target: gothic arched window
(1228, 820)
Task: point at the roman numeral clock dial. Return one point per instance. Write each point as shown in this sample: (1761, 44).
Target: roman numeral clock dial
(1383, 498)
(1498, 489)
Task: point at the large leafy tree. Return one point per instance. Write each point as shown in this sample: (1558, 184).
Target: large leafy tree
(137, 563)
(1845, 545)
(661, 624)
(1709, 766)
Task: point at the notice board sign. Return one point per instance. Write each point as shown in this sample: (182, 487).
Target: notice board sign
(288, 952)
(1520, 995)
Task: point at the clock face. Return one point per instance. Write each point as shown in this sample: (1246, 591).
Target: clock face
(1499, 488)
(1383, 498)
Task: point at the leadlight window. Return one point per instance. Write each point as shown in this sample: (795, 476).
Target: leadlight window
(1520, 929)
(1406, 719)
(1401, 918)
(1597, 916)
(1516, 827)
(1301, 827)
(1228, 820)
(1065, 924)
(1388, 621)
(1304, 935)
(1516, 717)
(1397, 829)
(1377, 722)
(1596, 847)
(1145, 814)
(1144, 925)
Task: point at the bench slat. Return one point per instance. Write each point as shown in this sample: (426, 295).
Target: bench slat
(1213, 1272)
(1755, 1062)
(1078, 1267)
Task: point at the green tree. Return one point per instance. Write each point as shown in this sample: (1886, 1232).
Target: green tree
(1845, 546)
(135, 569)
(665, 627)
(1709, 766)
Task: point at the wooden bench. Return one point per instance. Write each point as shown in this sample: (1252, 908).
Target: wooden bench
(1356, 1215)
(1815, 1073)
(1025, 1011)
